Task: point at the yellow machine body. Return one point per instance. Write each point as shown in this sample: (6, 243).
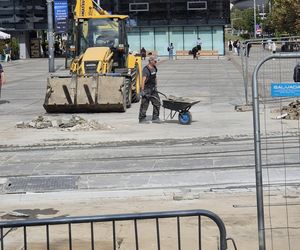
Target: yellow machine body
(103, 76)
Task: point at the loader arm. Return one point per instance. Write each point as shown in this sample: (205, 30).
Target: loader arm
(86, 9)
(103, 77)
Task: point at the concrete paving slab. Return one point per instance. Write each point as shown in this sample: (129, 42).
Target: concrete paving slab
(216, 83)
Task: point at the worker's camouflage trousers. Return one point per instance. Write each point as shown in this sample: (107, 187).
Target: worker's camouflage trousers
(153, 97)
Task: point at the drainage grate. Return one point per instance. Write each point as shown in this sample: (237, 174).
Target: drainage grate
(40, 184)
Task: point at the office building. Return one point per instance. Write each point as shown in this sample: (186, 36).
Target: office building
(152, 24)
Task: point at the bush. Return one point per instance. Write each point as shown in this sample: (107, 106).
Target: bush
(245, 36)
(15, 49)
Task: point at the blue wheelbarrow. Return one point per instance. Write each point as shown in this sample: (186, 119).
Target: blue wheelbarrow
(179, 105)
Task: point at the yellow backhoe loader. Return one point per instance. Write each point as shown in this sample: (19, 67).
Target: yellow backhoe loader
(104, 76)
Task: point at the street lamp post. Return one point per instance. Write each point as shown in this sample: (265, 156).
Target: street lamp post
(50, 36)
(254, 16)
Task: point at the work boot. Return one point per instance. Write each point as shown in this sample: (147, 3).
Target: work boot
(143, 121)
(157, 120)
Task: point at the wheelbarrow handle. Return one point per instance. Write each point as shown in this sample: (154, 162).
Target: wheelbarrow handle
(162, 94)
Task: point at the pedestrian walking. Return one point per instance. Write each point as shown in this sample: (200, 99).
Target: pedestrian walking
(171, 50)
(7, 53)
(149, 92)
(296, 76)
(2, 79)
(194, 52)
(44, 49)
(229, 45)
(235, 46)
(143, 53)
(199, 43)
(248, 47)
(274, 47)
(238, 47)
(263, 43)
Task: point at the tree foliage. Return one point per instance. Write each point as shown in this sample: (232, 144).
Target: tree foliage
(285, 16)
(244, 19)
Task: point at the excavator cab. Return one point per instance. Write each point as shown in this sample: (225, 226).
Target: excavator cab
(107, 33)
(104, 76)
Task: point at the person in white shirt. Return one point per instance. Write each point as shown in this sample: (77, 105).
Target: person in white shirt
(171, 50)
(199, 43)
(274, 47)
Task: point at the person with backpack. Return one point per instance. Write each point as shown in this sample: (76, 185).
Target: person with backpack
(170, 50)
(297, 72)
(194, 52)
(149, 92)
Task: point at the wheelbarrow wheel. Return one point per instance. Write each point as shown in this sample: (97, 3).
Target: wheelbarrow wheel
(185, 117)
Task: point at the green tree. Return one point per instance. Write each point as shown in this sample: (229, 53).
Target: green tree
(244, 19)
(15, 49)
(285, 17)
(248, 20)
(236, 19)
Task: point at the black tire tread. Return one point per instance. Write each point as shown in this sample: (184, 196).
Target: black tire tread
(135, 97)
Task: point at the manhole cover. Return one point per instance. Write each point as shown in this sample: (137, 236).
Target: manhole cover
(40, 184)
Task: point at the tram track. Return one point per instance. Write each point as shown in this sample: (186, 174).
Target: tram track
(56, 144)
(217, 153)
(189, 163)
(161, 170)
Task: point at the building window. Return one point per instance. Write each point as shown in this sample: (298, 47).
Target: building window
(197, 5)
(138, 7)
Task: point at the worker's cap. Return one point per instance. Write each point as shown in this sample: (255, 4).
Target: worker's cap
(152, 58)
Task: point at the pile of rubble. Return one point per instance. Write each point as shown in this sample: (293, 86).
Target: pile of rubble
(73, 124)
(290, 112)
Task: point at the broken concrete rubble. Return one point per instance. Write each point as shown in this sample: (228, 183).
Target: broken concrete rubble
(74, 123)
(290, 112)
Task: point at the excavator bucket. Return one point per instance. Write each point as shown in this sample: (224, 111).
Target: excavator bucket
(75, 94)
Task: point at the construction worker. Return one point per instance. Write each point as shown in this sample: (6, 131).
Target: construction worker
(149, 92)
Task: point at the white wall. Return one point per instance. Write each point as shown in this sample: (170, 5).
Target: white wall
(23, 38)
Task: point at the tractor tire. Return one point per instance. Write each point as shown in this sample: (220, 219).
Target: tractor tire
(135, 96)
(123, 106)
(128, 92)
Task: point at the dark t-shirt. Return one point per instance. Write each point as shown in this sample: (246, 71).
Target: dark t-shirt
(149, 73)
(7, 50)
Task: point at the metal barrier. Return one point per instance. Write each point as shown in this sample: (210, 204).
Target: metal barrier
(257, 142)
(25, 224)
(248, 65)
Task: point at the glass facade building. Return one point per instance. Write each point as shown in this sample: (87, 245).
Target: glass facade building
(182, 37)
(21, 15)
(153, 24)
